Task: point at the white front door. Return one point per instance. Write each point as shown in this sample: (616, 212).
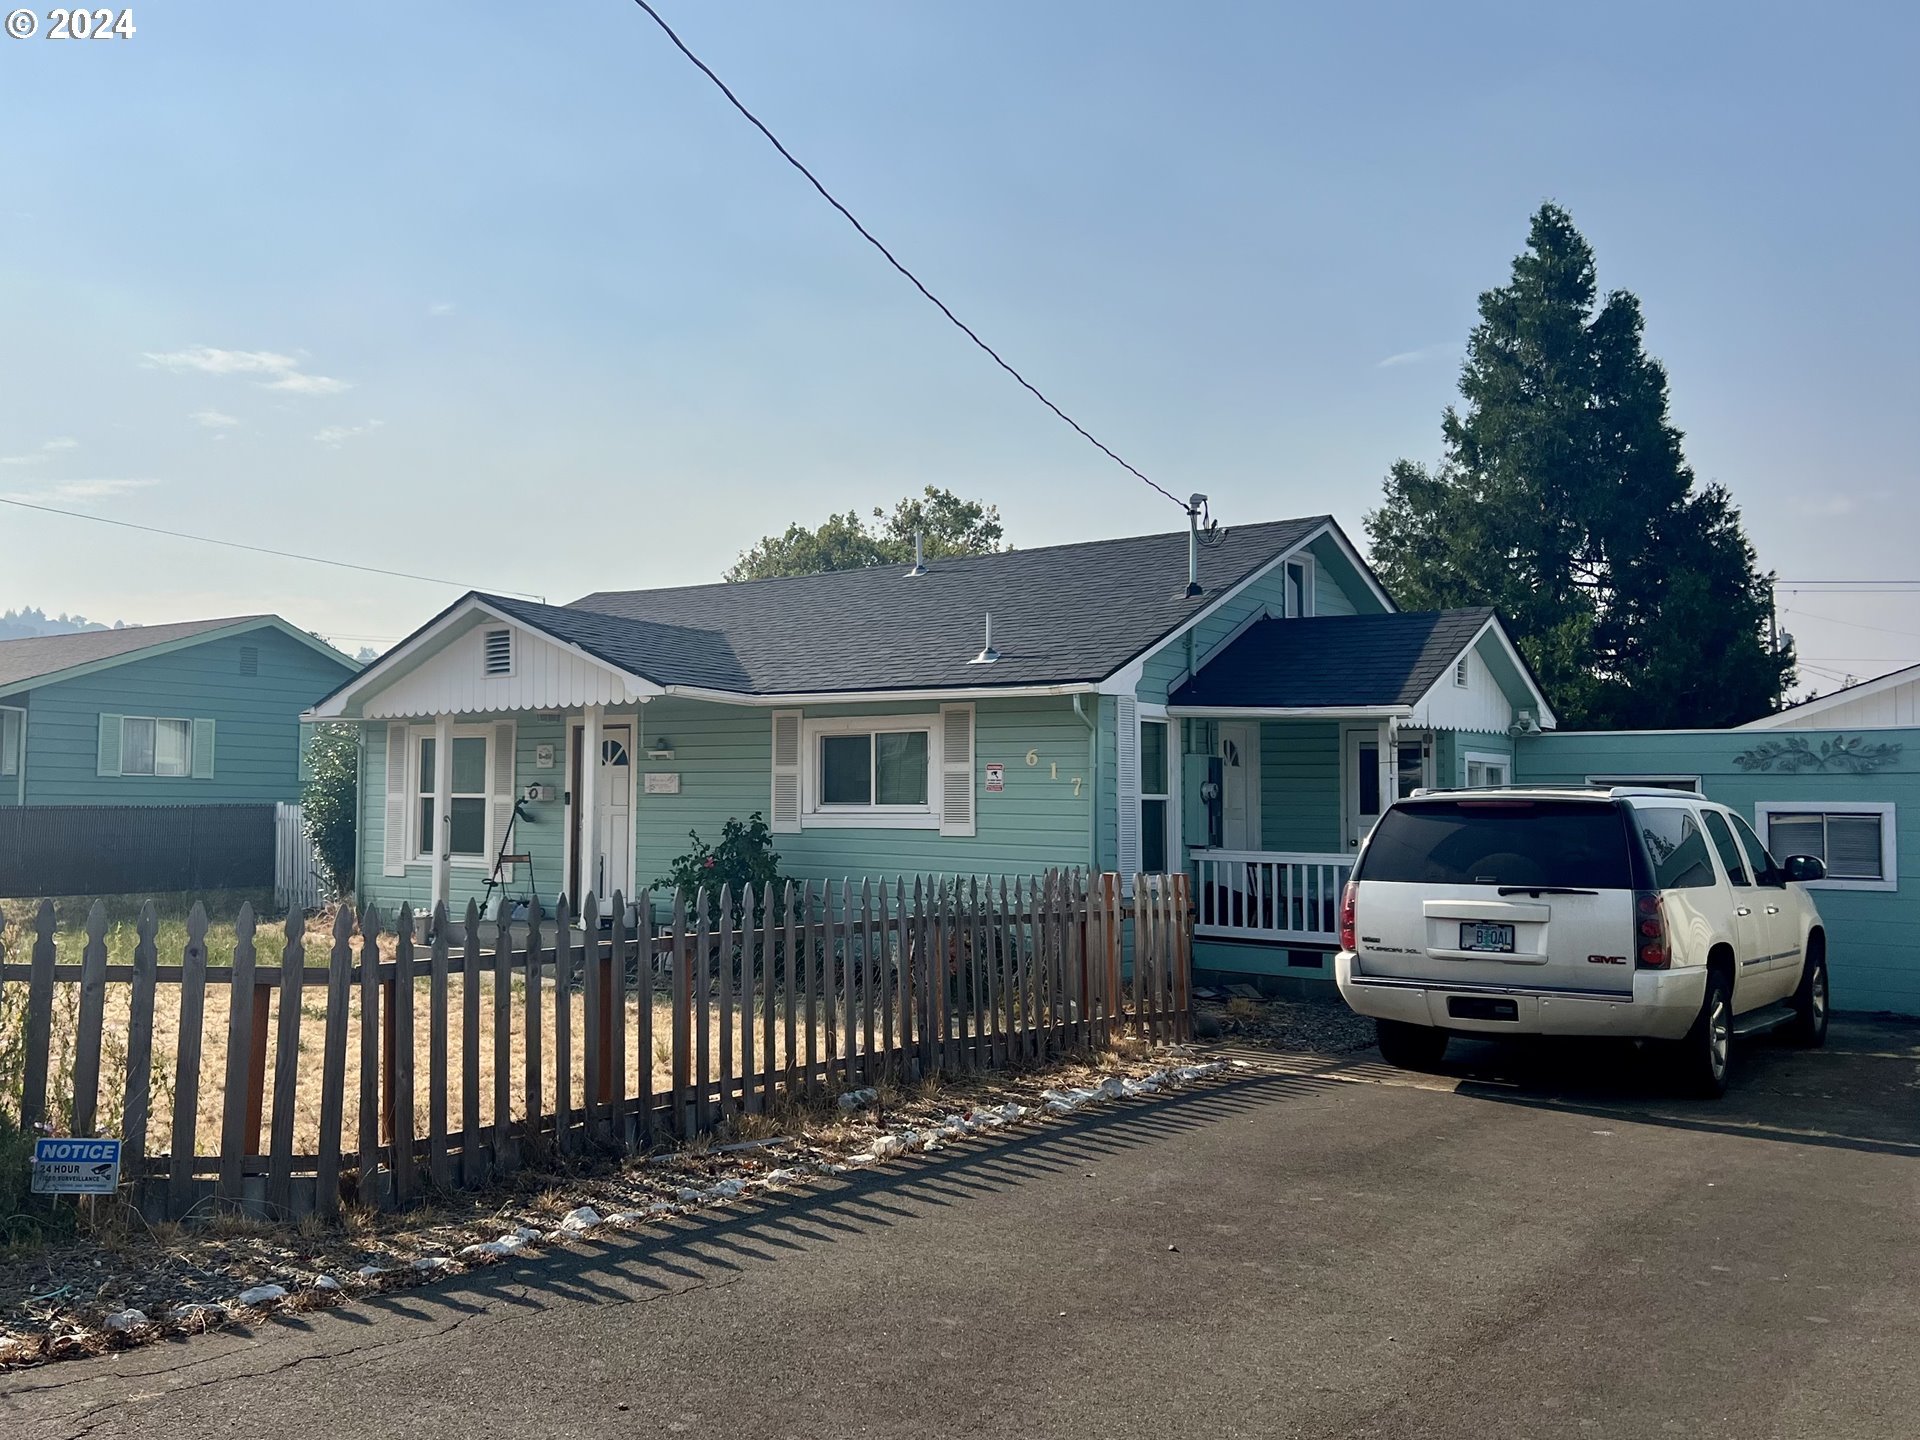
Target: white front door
(1363, 778)
(1240, 786)
(613, 817)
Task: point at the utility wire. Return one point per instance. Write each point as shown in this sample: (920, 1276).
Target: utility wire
(868, 236)
(255, 549)
(1852, 624)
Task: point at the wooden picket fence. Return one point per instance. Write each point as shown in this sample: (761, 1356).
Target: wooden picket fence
(545, 1038)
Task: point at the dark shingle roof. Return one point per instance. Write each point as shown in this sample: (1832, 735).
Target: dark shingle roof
(37, 655)
(1335, 660)
(1061, 613)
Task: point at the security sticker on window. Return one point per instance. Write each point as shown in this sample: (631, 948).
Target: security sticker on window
(996, 779)
(76, 1167)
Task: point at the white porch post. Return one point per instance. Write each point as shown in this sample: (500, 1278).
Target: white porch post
(589, 799)
(442, 808)
(1389, 764)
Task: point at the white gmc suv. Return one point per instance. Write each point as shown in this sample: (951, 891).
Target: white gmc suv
(1648, 914)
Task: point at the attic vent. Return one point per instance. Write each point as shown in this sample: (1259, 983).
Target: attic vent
(249, 659)
(499, 652)
(1460, 672)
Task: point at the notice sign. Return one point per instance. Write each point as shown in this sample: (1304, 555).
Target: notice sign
(76, 1167)
(996, 779)
(660, 782)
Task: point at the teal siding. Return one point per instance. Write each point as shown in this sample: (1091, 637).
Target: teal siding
(1451, 747)
(1872, 947)
(1108, 846)
(256, 723)
(1338, 589)
(1300, 786)
(723, 755)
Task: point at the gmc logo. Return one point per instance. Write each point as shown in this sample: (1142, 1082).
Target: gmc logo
(1606, 959)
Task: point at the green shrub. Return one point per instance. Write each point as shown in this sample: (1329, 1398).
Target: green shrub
(744, 859)
(328, 799)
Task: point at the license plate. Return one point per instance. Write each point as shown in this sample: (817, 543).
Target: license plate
(1494, 939)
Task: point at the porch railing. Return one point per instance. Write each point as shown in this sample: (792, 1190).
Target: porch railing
(1269, 895)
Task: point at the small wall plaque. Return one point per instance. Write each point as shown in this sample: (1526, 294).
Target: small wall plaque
(661, 782)
(543, 756)
(996, 779)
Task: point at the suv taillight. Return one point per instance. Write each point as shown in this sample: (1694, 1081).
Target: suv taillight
(1346, 915)
(1650, 950)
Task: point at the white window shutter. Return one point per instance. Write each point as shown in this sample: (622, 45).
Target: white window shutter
(1127, 787)
(109, 759)
(956, 770)
(394, 848)
(203, 749)
(501, 788)
(785, 816)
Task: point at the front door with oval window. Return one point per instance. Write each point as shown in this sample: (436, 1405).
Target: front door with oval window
(613, 800)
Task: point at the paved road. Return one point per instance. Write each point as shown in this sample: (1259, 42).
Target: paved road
(1507, 1251)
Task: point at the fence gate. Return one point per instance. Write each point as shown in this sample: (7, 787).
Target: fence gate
(299, 881)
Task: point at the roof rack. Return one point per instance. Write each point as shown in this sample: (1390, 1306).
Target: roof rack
(1611, 791)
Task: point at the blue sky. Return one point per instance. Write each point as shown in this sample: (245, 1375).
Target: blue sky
(505, 293)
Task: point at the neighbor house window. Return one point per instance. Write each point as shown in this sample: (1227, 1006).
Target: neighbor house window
(1486, 770)
(13, 725)
(155, 747)
(871, 769)
(1856, 842)
(1154, 771)
(467, 812)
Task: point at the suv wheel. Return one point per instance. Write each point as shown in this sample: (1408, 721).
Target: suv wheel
(1809, 1025)
(1411, 1047)
(1702, 1058)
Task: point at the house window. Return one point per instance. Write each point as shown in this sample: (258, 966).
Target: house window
(467, 813)
(1299, 586)
(155, 747)
(871, 770)
(13, 726)
(1856, 842)
(1154, 794)
(499, 652)
(1488, 770)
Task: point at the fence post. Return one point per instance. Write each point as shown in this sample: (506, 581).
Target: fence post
(682, 1000)
(1183, 958)
(186, 1082)
(369, 1155)
(562, 1026)
(643, 935)
(613, 999)
(725, 961)
(286, 1067)
(399, 1090)
(533, 1099)
(593, 1039)
(137, 1109)
(439, 1166)
(702, 1017)
(237, 1097)
(790, 981)
(503, 1155)
(39, 1031)
(93, 1001)
(333, 1064)
(472, 1157)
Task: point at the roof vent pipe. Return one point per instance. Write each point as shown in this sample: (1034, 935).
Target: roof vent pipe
(987, 653)
(1195, 505)
(919, 555)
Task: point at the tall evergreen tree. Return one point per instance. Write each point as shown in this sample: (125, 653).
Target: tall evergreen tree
(1564, 499)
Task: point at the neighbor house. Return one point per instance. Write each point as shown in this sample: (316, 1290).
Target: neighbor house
(131, 759)
(1240, 704)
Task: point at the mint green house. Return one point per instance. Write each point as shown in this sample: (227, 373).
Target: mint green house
(1077, 705)
(152, 757)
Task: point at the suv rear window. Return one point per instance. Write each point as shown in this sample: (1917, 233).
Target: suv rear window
(1579, 844)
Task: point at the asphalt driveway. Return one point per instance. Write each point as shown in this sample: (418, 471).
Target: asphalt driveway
(1527, 1245)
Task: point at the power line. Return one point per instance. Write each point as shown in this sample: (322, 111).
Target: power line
(1854, 624)
(868, 236)
(255, 549)
(1891, 586)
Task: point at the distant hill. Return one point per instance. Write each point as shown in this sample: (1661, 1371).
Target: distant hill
(20, 624)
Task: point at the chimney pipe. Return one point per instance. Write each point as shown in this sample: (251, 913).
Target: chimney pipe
(1195, 504)
(919, 554)
(987, 653)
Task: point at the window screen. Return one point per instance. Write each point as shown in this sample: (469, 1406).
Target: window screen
(1852, 845)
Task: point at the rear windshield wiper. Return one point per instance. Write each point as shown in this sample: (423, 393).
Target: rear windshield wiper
(1543, 890)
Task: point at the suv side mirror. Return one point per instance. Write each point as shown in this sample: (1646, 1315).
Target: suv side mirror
(1802, 868)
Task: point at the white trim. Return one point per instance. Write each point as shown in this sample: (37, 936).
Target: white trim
(1889, 836)
(814, 815)
(786, 700)
(1627, 779)
(19, 772)
(416, 858)
(1309, 580)
(1793, 714)
(1147, 713)
(1543, 712)
(380, 672)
